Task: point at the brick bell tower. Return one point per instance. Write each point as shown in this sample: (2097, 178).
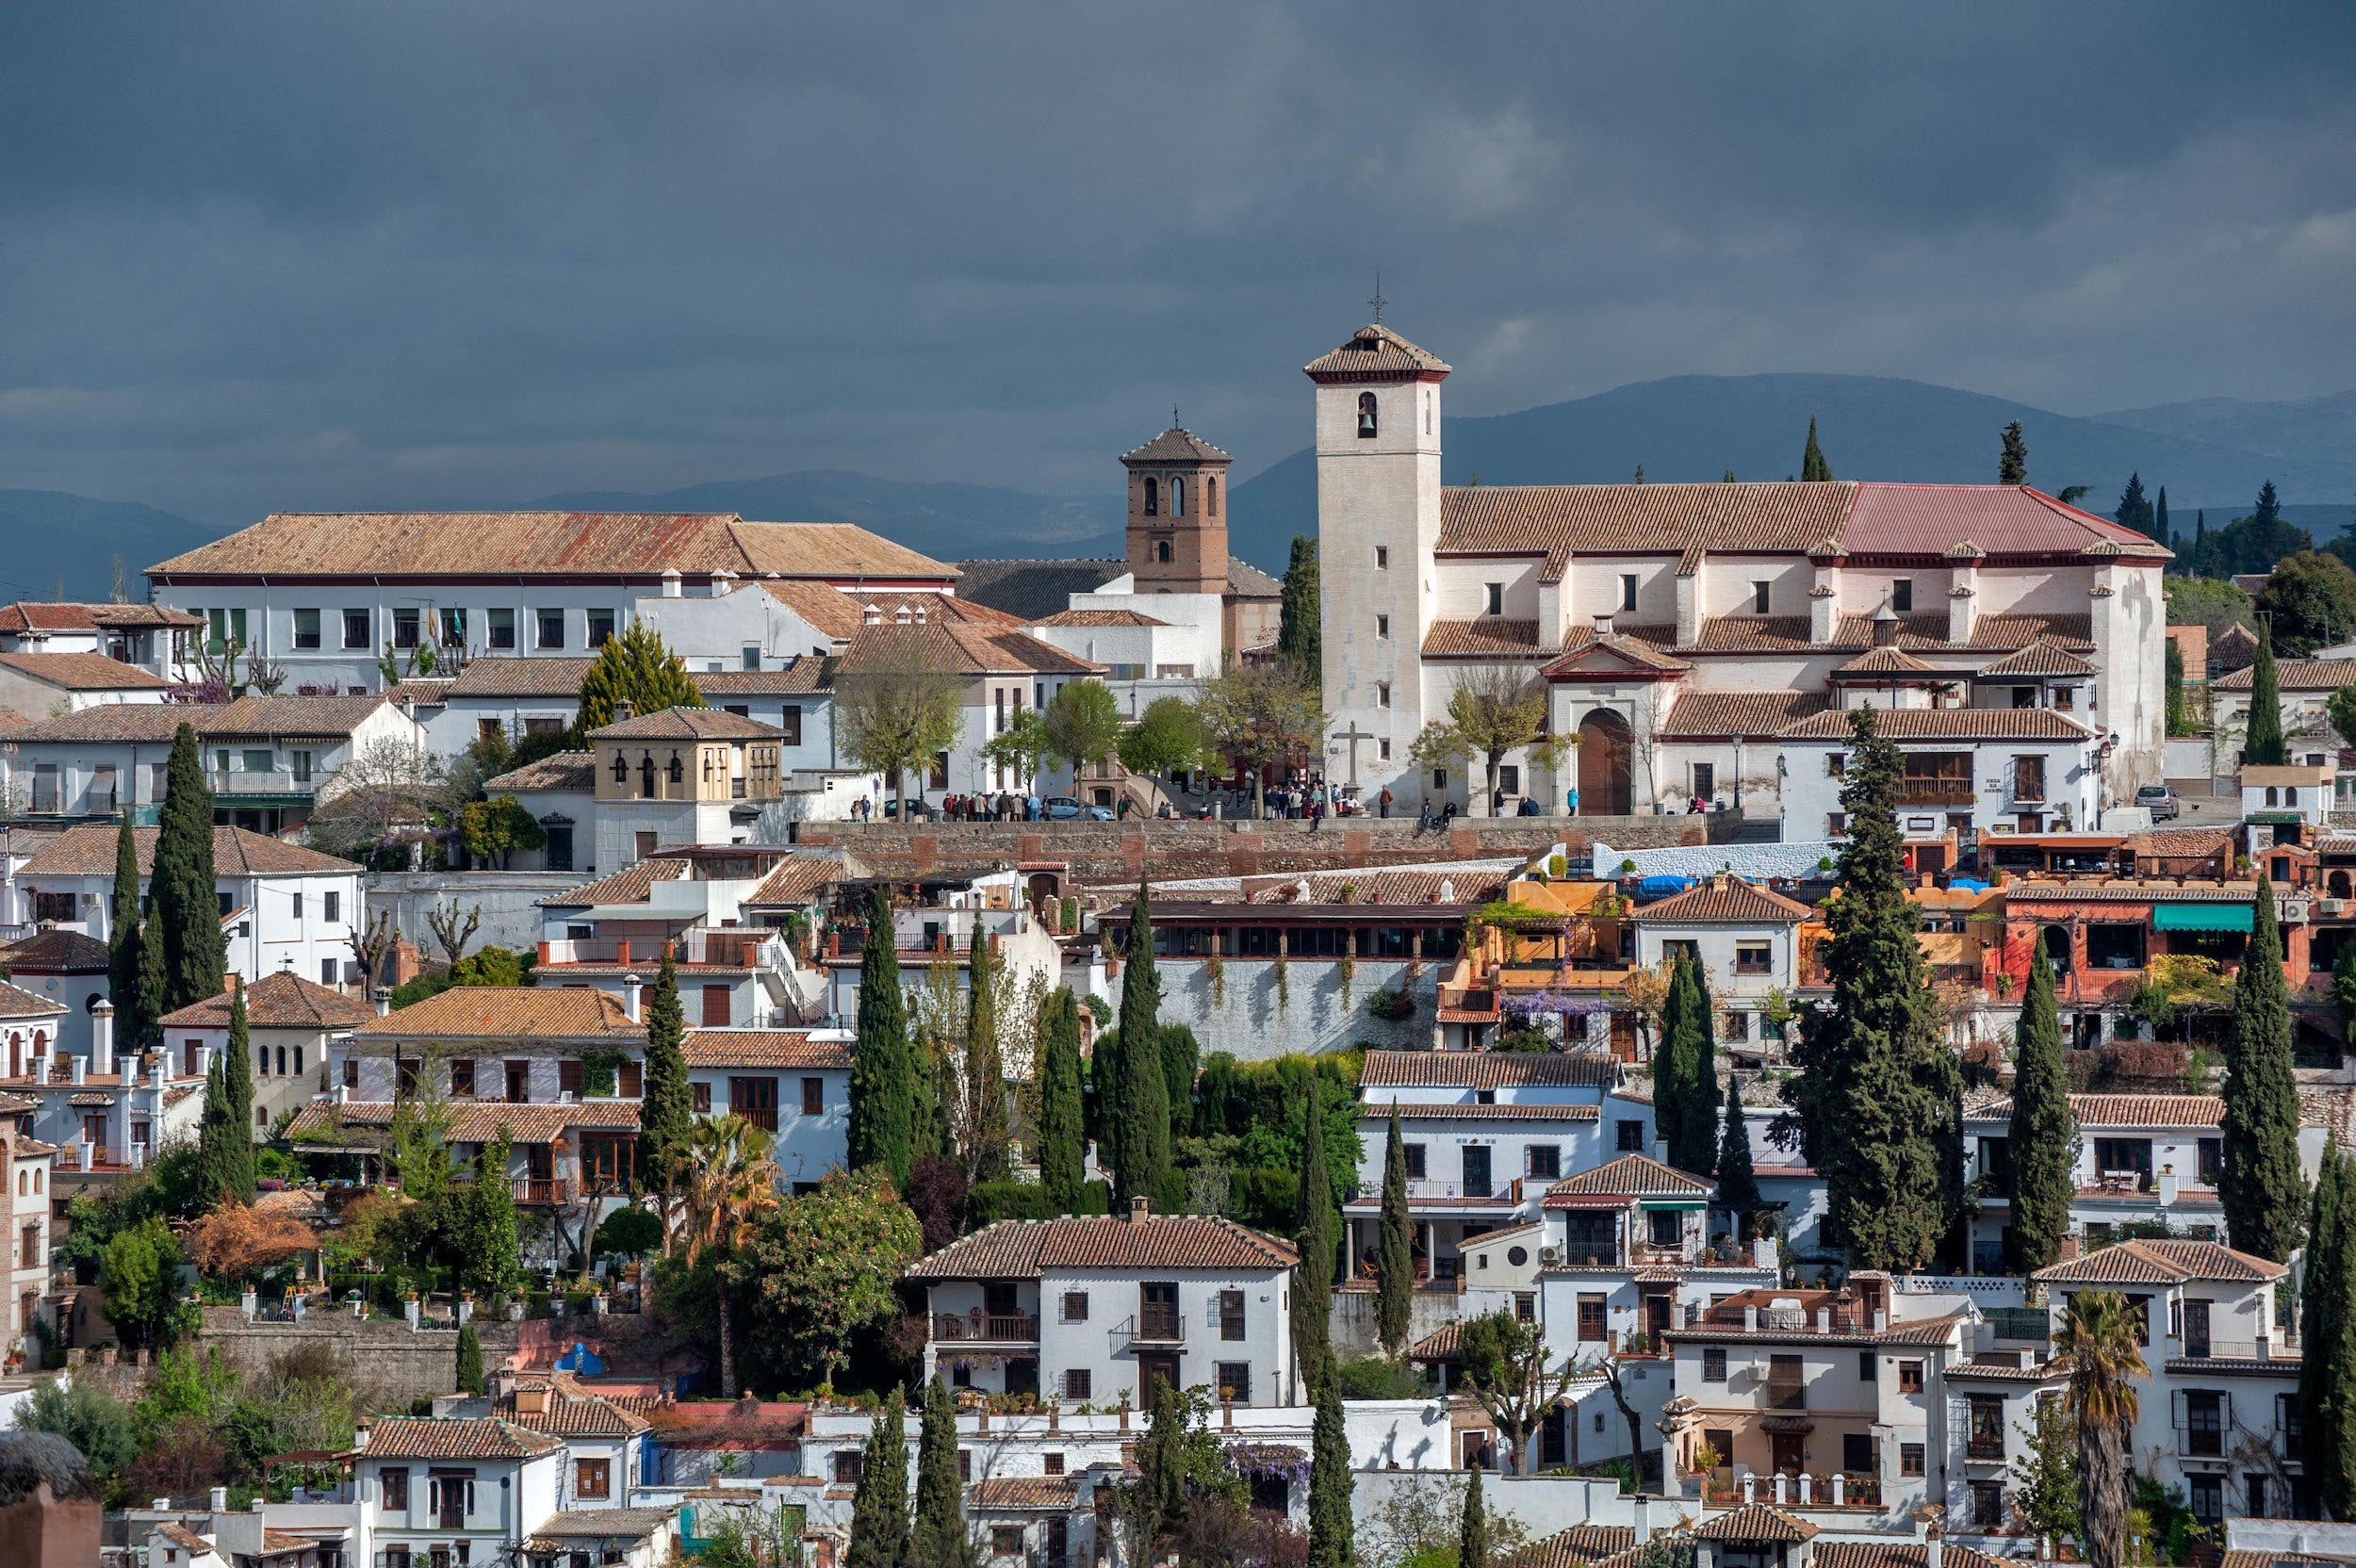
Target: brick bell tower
(1178, 514)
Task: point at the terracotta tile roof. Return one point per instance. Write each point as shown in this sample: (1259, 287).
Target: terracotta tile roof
(798, 879)
(89, 850)
(604, 1523)
(1884, 662)
(1594, 653)
(1375, 352)
(27, 616)
(2247, 1558)
(1031, 589)
(453, 1437)
(472, 1120)
(1054, 1492)
(572, 772)
(1722, 900)
(831, 611)
(2001, 519)
(135, 723)
(2072, 628)
(804, 673)
(1652, 519)
(1486, 635)
(280, 1000)
(56, 951)
(1947, 723)
(1754, 1522)
(572, 1411)
(2296, 675)
(2042, 657)
(259, 718)
(548, 676)
(688, 723)
(1458, 1110)
(83, 672)
(628, 886)
(14, 1104)
(1461, 883)
(2127, 1110)
(2174, 843)
(1711, 715)
(934, 645)
(1245, 580)
(1580, 1546)
(764, 1048)
(2161, 1263)
(11, 721)
(503, 1012)
(1486, 1069)
(295, 545)
(1629, 1176)
(1920, 632)
(1174, 445)
(1099, 617)
(185, 1538)
(1899, 1554)
(1022, 1249)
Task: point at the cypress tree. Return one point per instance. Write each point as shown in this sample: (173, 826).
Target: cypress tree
(2042, 1139)
(236, 1087)
(491, 1255)
(666, 1117)
(985, 1067)
(182, 884)
(1701, 1116)
(2135, 508)
(1298, 637)
(470, 1359)
(883, 1089)
(1738, 1181)
(2261, 739)
(2159, 518)
(1672, 1068)
(148, 998)
(1161, 1495)
(1878, 1103)
(1395, 1261)
(123, 937)
(1472, 1534)
(938, 1540)
(2263, 1193)
(1812, 465)
(1312, 1283)
(1102, 1101)
(879, 1507)
(210, 1179)
(1142, 1153)
(2324, 1316)
(1062, 1142)
(1182, 1059)
(1331, 1543)
(2012, 464)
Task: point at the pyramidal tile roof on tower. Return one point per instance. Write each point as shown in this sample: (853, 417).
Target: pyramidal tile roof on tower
(1375, 352)
(1175, 445)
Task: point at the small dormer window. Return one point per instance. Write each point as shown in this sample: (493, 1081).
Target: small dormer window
(1365, 417)
(1177, 497)
(1153, 497)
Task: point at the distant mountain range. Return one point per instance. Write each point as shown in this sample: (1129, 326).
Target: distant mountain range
(2211, 453)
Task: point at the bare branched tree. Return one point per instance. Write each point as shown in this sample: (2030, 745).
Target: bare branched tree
(373, 946)
(452, 931)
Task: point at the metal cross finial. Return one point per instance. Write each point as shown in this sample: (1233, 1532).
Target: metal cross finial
(1173, 417)
(1378, 301)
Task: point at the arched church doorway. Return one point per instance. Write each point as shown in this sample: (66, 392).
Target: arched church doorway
(1605, 745)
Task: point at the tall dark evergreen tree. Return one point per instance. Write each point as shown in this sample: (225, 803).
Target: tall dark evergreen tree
(1298, 632)
(2326, 1367)
(939, 1539)
(986, 1135)
(879, 1507)
(236, 1088)
(1313, 1283)
(1332, 1540)
(883, 1070)
(1701, 1130)
(2263, 1192)
(1687, 1103)
(1877, 1104)
(214, 1127)
(667, 1115)
(1182, 1062)
(1672, 1061)
(1395, 1259)
(182, 885)
(470, 1359)
(1062, 1139)
(147, 1003)
(2135, 508)
(2012, 464)
(1160, 1503)
(2042, 1141)
(2261, 739)
(1142, 1151)
(123, 937)
(1738, 1181)
(2269, 508)
(1812, 463)
(2159, 519)
(1472, 1533)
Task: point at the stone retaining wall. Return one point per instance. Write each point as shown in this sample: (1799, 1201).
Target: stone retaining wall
(389, 1362)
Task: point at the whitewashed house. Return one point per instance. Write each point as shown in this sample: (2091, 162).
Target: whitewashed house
(1746, 940)
(26, 1226)
(293, 1025)
(792, 1084)
(153, 637)
(2141, 1160)
(426, 1490)
(53, 683)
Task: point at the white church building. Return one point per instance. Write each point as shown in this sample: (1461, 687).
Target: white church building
(1680, 631)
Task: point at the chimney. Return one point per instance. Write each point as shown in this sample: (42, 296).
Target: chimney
(383, 1002)
(1824, 1320)
(160, 1505)
(624, 711)
(204, 1060)
(219, 1499)
(360, 1433)
(1603, 625)
(1750, 1318)
(1141, 1210)
(81, 1069)
(101, 1040)
(343, 1094)
(1881, 1320)
(161, 1070)
(670, 582)
(1884, 626)
(633, 993)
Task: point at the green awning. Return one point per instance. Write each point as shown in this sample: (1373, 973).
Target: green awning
(2203, 917)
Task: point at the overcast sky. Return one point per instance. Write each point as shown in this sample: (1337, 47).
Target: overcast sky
(260, 255)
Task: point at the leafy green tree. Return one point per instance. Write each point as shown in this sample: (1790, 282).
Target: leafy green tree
(1813, 468)
(1494, 712)
(2263, 1192)
(1023, 744)
(2045, 1479)
(1332, 1542)
(628, 1233)
(1878, 1105)
(1298, 634)
(470, 1359)
(667, 1115)
(2097, 1339)
(898, 704)
(2262, 736)
(1738, 1179)
(2308, 603)
(493, 830)
(1395, 1265)
(1258, 716)
(95, 1422)
(1312, 1283)
(1141, 1152)
(2042, 1139)
(2012, 464)
(880, 1534)
(938, 1539)
(985, 1141)
(1167, 738)
(2344, 988)
(122, 939)
(1083, 725)
(635, 667)
(2135, 509)
(139, 1275)
(2326, 1328)
(182, 887)
(2206, 601)
(822, 1268)
(1062, 1136)
(1504, 1362)
(883, 1091)
(490, 1253)
(1472, 1536)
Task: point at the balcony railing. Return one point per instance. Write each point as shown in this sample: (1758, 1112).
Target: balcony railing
(1152, 1328)
(1984, 1447)
(263, 781)
(2200, 1442)
(2202, 1348)
(1786, 1396)
(1418, 1186)
(977, 1328)
(1935, 792)
(544, 1190)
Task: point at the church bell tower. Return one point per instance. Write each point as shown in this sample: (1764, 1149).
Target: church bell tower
(1178, 514)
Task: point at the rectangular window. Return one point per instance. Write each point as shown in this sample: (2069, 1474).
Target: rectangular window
(462, 1078)
(700, 1094)
(1231, 1318)
(306, 628)
(1382, 557)
(2204, 1423)
(1753, 957)
(1235, 1381)
(1902, 600)
(453, 628)
(1510, 779)
(1909, 1459)
(2207, 1497)
(1856, 1453)
(1381, 694)
(550, 625)
(1415, 1160)
(814, 1096)
(1713, 1365)
(790, 719)
(1664, 1227)
(1594, 1319)
(327, 972)
(359, 629)
(1005, 1541)
(1628, 1136)
(718, 1005)
(1496, 603)
(1075, 1306)
(571, 1077)
(1526, 1306)
(1909, 1376)
(1544, 1161)
(1051, 1464)
(750, 656)
(395, 1491)
(499, 630)
(1759, 598)
(405, 625)
(756, 1101)
(2212, 1161)
(849, 1463)
(331, 906)
(1868, 1369)
(1627, 590)
(593, 1477)
(1079, 1383)
(351, 1073)
(600, 627)
(1383, 629)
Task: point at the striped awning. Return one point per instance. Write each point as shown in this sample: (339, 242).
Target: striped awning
(2203, 917)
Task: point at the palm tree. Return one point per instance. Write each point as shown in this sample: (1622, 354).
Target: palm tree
(2098, 1338)
(731, 1182)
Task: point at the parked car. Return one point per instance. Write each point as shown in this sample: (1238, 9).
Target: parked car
(1065, 809)
(2159, 800)
(917, 810)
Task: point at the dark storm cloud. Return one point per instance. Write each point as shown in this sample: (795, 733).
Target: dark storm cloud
(274, 255)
